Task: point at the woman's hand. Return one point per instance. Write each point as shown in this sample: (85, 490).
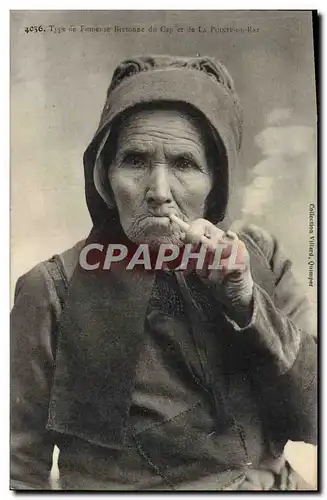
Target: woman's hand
(226, 268)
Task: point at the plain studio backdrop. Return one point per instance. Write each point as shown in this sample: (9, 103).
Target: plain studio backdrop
(58, 85)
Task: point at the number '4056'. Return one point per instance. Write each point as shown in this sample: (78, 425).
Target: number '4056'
(34, 29)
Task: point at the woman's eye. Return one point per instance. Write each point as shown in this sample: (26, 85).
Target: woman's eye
(185, 163)
(136, 160)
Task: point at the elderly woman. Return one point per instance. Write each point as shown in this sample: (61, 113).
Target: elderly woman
(162, 380)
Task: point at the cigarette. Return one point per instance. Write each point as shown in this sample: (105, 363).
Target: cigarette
(186, 228)
(182, 224)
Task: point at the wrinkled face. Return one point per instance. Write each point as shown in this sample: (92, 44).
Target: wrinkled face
(160, 167)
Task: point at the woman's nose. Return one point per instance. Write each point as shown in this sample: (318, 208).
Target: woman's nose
(159, 192)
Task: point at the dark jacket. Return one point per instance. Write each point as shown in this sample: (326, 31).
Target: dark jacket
(62, 393)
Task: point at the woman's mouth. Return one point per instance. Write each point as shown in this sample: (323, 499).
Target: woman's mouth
(162, 220)
(160, 212)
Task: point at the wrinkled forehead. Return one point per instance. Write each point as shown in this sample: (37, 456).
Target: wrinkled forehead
(148, 129)
(175, 123)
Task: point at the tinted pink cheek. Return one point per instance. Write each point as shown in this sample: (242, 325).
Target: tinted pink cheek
(126, 190)
(198, 190)
(196, 198)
